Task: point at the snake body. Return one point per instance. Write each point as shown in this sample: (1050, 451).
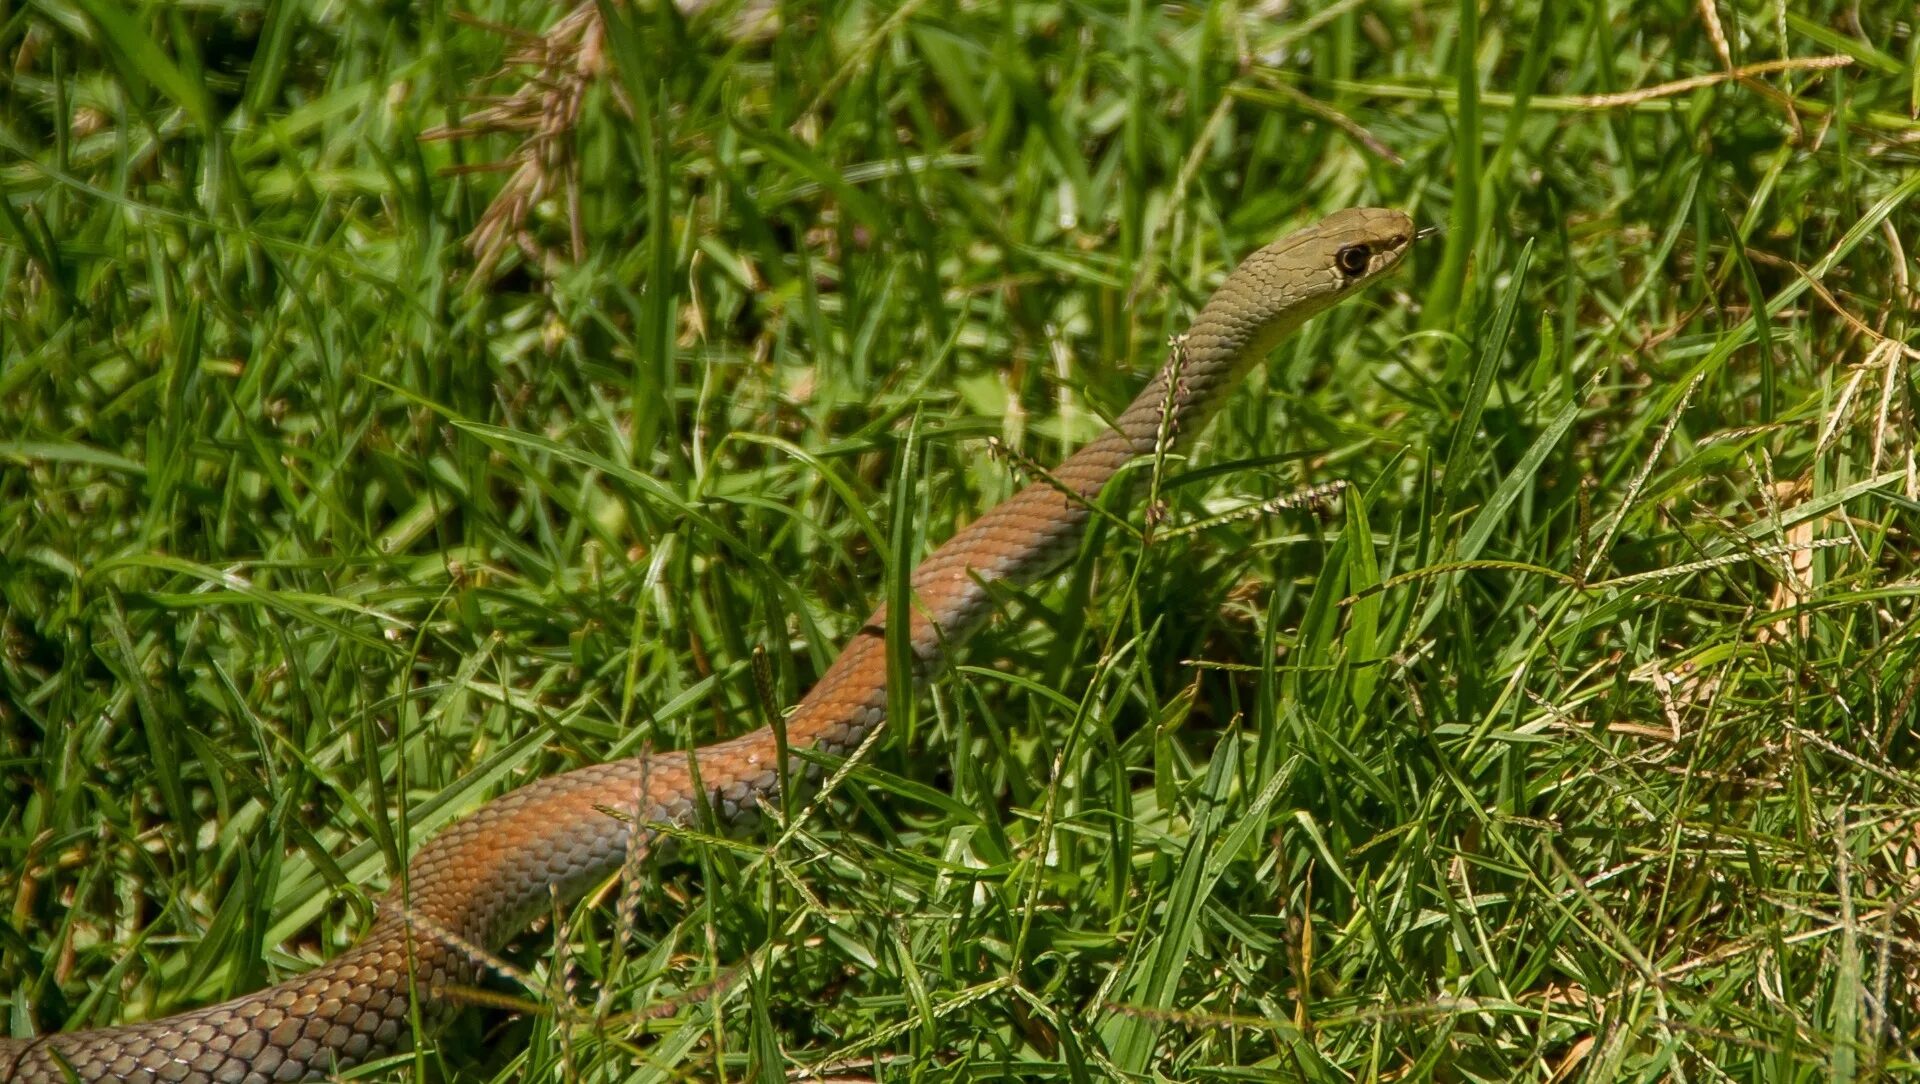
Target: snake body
(478, 883)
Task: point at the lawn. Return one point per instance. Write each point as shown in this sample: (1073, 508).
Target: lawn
(400, 404)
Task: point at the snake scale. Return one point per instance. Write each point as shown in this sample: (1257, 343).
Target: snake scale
(487, 876)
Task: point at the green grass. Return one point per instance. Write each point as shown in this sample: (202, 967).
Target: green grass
(1575, 741)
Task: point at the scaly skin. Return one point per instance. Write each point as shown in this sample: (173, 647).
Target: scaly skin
(480, 881)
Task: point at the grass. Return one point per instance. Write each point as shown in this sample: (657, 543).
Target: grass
(1576, 740)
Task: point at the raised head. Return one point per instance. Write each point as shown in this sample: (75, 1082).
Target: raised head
(1270, 294)
(1360, 243)
(1318, 265)
(1278, 288)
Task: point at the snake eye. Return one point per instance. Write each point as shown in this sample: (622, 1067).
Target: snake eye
(1352, 260)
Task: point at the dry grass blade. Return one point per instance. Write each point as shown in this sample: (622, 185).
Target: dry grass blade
(557, 70)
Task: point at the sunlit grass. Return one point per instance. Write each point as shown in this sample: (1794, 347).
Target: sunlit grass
(1574, 739)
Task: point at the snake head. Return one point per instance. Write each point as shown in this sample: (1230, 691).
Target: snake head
(1279, 287)
(1360, 243)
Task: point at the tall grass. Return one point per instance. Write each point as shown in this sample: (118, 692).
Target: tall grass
(1574, 741)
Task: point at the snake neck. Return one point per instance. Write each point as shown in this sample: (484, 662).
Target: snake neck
(1032, 533)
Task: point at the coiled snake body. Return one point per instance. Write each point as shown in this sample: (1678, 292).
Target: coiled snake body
(487, 876)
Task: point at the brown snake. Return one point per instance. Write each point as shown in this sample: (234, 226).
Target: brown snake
(488, 875)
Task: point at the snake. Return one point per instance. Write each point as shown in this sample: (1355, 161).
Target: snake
(475, 885)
